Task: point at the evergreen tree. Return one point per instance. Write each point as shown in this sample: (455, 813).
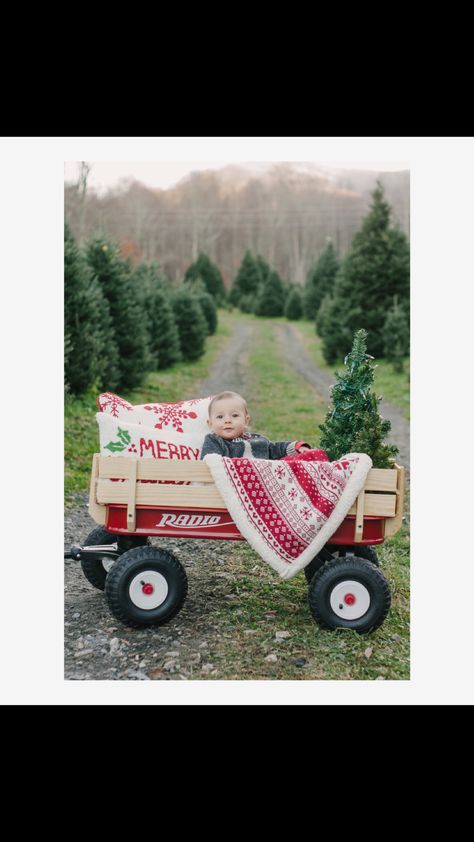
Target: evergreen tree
(271, 298)
(206, 303)
(353, 424)
(90, 349)
(205, 269)
(320, 280)
(130, 323)
(376, 268)
(247, 280)
(263, 268)
(331, 327)
(163, 336)
(209, 310)
(396, 336)
(192, 326)
(294, 304)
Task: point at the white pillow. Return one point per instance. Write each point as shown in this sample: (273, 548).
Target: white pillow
(183, 419)
(120, 437)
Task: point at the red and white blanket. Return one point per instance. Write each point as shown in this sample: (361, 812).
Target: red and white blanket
(287, 509)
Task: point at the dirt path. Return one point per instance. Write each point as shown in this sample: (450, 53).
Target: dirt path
(300, 361)
(230, 369)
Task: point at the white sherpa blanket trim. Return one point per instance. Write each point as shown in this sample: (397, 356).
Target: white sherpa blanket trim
(353, 487)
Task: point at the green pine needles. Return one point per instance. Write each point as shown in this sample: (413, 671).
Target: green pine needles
(353, 424)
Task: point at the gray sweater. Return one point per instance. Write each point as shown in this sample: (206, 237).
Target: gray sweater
(252, 445)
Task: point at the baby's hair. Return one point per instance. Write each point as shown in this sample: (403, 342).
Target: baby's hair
(223, 395)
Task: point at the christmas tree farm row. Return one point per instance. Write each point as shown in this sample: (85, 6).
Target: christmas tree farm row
(122, 321)
(366, 289)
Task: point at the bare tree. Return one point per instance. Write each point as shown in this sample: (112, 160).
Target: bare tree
(82, 190)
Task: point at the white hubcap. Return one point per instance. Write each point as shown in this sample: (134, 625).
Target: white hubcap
(148, 589)
(350, 600)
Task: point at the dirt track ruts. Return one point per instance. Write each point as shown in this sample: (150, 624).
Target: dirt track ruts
(321, 381)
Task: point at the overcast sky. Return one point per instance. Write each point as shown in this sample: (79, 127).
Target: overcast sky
(105, 174)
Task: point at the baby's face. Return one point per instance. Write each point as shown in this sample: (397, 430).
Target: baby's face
(228, 418)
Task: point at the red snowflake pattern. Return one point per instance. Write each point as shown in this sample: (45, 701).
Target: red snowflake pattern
(108, 399)
(171, 415)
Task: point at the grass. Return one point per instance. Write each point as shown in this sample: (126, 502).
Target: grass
(282, 406)
(257, 602)
(393, 387)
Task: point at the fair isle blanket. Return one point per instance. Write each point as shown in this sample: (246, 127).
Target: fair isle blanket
(287, 509)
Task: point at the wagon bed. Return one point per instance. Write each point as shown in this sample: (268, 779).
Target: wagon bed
(128, 496)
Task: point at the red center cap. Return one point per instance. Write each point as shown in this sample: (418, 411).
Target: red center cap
(148, 588)
(349, 599)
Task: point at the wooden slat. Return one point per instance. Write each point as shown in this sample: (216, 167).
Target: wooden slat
(160, 495)
(393, 524)
(131, 489)
(381, 479)
(359, 522)
(378, 479)
(118, 466)
(377, 505)
(96, 512)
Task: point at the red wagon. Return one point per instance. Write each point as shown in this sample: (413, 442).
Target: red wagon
(133, 499)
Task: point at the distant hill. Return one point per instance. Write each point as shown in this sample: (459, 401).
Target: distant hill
(284, 211)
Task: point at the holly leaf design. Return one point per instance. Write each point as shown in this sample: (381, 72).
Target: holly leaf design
(124, 436)
(123, 442)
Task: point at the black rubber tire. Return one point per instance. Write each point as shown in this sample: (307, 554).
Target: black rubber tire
(126, 568)
(350, 568)
(93, 570)
(339, 552)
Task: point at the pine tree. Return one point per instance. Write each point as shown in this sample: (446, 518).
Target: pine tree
(206, 303)
(210, 275)
(163, 336)
(263, 268)
(320, 280)
(294, 304)
(396, 336)
(376, 268)
(271, 298)
(192, 326)
(247, 281)
(353, 424)
(129, 321)
(90, 349)
(209, 310)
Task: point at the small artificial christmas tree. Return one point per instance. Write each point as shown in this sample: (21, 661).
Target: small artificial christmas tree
(353, 424)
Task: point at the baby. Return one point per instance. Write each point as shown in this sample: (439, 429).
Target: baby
(228, 417)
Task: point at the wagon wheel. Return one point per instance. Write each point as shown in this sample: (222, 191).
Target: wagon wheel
(96, 571)
(349, 593)
(146, 587)
(339, 552)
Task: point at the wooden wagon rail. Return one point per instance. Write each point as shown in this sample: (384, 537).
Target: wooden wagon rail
(382, 495)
